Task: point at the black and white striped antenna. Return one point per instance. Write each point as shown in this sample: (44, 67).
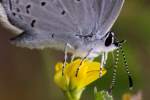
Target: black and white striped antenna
(127, 68)
(113, 82)
(120, 50)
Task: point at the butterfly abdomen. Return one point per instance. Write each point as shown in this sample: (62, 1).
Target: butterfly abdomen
(35, 40)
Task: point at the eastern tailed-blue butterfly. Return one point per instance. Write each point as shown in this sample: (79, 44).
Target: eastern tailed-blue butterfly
(81, 27)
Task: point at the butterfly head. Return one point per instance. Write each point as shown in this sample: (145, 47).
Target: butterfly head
(111, 42)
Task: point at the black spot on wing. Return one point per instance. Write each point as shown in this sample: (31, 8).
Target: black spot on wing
(43, 3)
(28, 8)
(17, 9)
(33, 23)
(77, 1)
(13, 13)
(53, 34)
(63, 12)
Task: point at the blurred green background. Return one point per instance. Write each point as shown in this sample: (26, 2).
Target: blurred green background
(28, 74)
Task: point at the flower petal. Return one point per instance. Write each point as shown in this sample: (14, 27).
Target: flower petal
(88, 72)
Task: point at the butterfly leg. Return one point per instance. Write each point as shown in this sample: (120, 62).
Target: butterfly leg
(102, 64)
(77, 71)
(65, 57)
(105, 57)
(72, 57)
(103, 61)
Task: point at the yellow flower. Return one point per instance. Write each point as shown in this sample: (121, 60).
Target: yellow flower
(72, 85)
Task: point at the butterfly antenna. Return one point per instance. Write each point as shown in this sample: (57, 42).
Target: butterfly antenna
(127, 68)
(113, 82)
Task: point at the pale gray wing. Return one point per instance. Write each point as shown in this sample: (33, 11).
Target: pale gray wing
(107, 13)
(41, 18)
(40, 15)
(82, 13)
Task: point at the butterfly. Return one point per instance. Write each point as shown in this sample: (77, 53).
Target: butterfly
(81, 27)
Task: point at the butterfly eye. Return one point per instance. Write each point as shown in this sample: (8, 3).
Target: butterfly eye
(108, 40)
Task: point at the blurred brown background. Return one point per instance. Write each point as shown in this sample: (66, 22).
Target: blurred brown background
(28, 74)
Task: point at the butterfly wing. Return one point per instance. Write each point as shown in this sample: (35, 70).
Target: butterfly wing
(46, 15)
(107, 12)
(41, 19)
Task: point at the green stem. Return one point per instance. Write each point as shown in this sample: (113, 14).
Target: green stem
(71, 97)
(74, 95)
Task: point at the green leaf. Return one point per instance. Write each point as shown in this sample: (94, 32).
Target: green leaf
(102, 95)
